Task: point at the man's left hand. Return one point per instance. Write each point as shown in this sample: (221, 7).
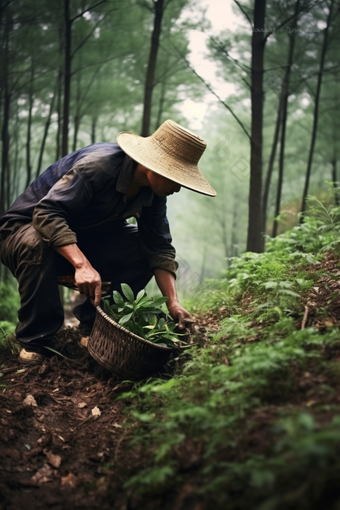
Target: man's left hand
(181, 315)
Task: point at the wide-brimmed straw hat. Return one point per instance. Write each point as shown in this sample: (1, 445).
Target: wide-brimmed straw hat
(173, 152)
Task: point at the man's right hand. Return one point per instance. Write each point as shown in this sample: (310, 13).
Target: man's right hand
(86, 277)
(89, 282)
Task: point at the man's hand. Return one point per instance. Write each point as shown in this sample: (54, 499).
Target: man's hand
(181, 315)
(86, 277)
(166, 283)
(89, 282)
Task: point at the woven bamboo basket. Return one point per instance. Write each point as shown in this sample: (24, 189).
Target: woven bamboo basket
(127, 355)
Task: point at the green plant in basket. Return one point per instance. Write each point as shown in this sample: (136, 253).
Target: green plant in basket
(143, 316)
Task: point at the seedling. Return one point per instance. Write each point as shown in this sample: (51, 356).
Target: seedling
(143, 316)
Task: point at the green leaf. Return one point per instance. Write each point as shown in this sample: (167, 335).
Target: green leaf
(140, 294)
(118, 299)
(125, 318)
(128, 292)
(159, 301)
(152, 319)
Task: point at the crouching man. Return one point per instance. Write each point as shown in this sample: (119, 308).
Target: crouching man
(72, 221)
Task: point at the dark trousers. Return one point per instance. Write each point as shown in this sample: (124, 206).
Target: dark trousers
(116, 255)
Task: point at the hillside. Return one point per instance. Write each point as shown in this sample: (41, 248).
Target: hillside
(246, 417)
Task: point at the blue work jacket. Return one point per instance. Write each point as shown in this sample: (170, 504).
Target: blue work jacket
(86, 192)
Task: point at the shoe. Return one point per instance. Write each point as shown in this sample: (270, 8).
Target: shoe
(30, 357)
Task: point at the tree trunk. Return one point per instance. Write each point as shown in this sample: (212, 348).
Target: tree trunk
(29, 129)
(67, 76)
(93, 129)
(47, 125)
(5, 152)
(161, 105)
(203, 265)
(234, 232)
(285, 96)
(254, 238)
(150, 74)
(316, 114)
(59, 119)
(15, 188)
(271, 166)
(6, 97)
(78, 115)
(335, 182)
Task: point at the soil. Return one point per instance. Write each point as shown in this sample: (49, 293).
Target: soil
(60, 425)
(62, 440)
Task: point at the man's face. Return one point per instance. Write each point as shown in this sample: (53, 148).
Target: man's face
(162, 186)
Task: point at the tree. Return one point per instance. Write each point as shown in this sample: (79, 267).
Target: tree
(316, 106)
(254, 241)
(150, 74)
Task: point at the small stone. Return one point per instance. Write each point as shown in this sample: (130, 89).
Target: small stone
(30, 401)
(54, 460)
(96, 412)
(69, 481)
(43, 474)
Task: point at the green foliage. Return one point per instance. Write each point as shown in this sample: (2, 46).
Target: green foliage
(201, 427)
(9, 302)
(143, 316)
(319, 233)
(6, 337)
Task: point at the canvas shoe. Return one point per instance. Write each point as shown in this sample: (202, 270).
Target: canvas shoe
(30, 357)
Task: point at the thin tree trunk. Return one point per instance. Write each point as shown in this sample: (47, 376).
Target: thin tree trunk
(29, 128)
(254, 238)
(5, 151)
(6, 97)
(150, 74)
(16, 172)
(204, 260)
(234, 231)
(93, 129)
(161, 105)
(47, 125)
(77, 116)
(67, 77)
(335, 182)
(59, 118)
(271, 165)
(285, 96)
(316, 114)
(75, 132)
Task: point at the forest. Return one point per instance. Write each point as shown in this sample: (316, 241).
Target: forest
(246, 414)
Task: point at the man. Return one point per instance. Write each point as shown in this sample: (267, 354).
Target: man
(72, 221)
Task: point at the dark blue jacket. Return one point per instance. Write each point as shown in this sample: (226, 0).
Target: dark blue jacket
(86, 191)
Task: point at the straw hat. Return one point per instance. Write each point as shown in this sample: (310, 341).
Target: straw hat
(173, 152)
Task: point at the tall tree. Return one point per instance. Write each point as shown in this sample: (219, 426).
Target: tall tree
(254, 239)
(284, 107)
(68, 56)
(316, 107)
(150, 74)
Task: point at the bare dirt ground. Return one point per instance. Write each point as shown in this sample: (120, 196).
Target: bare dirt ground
(60, 425)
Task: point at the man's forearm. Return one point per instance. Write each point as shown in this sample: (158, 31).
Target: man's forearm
(73, 254)
(166, 283)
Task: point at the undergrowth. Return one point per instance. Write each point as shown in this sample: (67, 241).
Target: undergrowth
(251, 419)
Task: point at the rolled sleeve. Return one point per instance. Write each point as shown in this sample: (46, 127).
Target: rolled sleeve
(51, 215)
(164, 262)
